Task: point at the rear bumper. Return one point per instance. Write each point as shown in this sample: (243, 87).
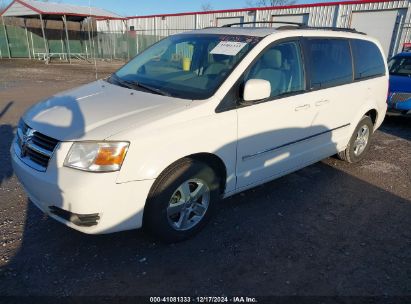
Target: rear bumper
(92, 203)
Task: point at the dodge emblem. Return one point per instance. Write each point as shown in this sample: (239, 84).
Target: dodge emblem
(25, 141)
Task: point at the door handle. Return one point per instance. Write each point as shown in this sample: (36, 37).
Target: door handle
(321, 102)
(303, 107)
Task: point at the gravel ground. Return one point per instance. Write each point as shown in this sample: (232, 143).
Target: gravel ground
(329, 229)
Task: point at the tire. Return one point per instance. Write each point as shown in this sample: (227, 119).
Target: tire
(357, 147)
(181, 201)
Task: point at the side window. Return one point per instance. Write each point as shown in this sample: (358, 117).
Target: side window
(330, 62)
(281, 65)
(368, 60)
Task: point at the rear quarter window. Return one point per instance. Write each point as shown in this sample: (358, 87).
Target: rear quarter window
(368, 60)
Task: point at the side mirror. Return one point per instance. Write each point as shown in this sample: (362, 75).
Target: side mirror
(256, 89)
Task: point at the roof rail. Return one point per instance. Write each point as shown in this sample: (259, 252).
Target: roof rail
(264, 22)
(332, 28)
(297, 25)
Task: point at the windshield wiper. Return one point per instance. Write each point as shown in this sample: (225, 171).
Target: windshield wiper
(149, 88)
(114, 78)
(134, 85)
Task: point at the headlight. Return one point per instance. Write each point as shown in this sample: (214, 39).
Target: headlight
(96, 156)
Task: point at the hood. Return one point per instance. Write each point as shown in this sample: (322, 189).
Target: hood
(98, 110)
(400, 84)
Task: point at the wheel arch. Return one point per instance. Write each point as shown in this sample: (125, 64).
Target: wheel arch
(371, 110)
(373, 114)
(216, 163)
(210, 159)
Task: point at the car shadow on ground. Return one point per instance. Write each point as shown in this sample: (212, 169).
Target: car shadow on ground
(318, 231)
(6, 138)
(6, 135)
(399, 126)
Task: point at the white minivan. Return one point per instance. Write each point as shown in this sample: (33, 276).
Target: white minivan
(197, 117)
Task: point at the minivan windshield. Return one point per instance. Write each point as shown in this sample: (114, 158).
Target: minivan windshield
(400, 66)
(187, 66)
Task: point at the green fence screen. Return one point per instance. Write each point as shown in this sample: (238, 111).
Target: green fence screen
(102, 45)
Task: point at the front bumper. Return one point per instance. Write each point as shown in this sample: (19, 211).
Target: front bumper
(395, 112)
(76, 197)
(399, 107)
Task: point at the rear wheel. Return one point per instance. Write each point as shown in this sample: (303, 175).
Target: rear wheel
(359, 143)
(182, 200)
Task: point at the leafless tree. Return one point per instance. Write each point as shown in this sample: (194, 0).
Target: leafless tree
(270, 2)
(206, 6)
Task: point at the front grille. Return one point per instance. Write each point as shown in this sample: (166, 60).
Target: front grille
(34, 148)
(400, 97)
(38, 158)
(44, 141)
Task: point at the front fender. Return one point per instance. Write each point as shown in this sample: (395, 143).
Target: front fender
(151, 151)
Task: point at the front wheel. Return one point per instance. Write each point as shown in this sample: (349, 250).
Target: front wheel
(182, 200)
(359, 143)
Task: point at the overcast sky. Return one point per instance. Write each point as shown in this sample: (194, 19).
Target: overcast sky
(148, 7)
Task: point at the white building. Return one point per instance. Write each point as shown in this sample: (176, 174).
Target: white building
(388, 21)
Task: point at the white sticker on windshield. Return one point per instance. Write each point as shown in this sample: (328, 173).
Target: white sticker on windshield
(229, 48)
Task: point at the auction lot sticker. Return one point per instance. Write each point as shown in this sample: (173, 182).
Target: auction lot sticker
(229, 48)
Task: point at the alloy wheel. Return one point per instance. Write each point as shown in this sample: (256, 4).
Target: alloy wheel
(188, 204)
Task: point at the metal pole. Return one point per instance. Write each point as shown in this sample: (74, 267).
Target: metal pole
(110, 40)
(7, 38)
(85, 42)
(114, 41)
(155, 28)
(127, 37)
(89, 36)
(27, 37)
(100, 48)
(32, 45)
(44, 39)
(138, 37)
(67, 39)
(62, 56)
(94, 47)
(62, 46)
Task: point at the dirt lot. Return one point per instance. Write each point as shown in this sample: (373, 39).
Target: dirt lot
(329, 229)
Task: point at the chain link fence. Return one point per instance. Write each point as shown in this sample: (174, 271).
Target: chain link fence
(21, 40)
